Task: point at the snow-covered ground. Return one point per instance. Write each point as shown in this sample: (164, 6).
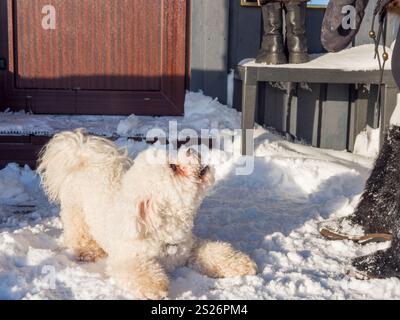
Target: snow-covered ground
(272, 215)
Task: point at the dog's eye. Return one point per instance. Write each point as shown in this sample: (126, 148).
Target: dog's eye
(173, 167)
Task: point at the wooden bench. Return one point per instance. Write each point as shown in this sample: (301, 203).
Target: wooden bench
(352, 66)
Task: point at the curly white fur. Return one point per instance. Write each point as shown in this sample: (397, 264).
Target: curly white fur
(139, 215)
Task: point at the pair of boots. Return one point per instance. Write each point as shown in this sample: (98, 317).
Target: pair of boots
(273, 50)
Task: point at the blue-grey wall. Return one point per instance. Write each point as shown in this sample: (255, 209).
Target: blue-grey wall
(222, 34)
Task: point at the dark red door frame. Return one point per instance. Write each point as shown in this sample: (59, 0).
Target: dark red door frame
(168, 101)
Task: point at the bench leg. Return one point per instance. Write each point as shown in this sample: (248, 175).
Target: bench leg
(389, 102)
(249, 106)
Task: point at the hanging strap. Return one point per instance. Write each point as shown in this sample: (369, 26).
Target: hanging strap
(380, 12)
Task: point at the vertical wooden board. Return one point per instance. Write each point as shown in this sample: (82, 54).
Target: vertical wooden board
(373, 107)
(260, 112)
(275, 107)
(293, 115)
(361, 104)
(307, 125)
(237, 95)
(334, 117)
(173, 51)
(359, 96)
(209, 47)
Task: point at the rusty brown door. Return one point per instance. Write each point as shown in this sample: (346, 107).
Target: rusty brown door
(96, 56)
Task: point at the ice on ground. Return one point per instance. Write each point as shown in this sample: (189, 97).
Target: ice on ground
(273, 215)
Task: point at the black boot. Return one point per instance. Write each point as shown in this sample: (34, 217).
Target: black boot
(272, 49)
(379, 265)
(296, 37)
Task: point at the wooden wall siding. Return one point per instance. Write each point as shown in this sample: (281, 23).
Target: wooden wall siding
(105, 56)
(325, 116)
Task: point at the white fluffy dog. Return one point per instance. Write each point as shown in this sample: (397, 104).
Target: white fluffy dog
(138, 214)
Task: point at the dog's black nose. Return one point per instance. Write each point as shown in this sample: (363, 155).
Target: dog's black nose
(190, 152)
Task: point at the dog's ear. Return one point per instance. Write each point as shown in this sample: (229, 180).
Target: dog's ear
(147, 219)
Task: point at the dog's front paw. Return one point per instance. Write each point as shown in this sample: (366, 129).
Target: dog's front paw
(153, 289)
(239, 265)
(221, 260)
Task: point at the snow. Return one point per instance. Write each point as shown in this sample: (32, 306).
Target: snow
(368, 142)
(201, 112)
(273, 215)
(359, 58)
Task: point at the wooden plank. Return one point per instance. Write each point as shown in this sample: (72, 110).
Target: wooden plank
(308, 105)
(292, 111)
(283, 73)
(334, 117)
(358, 121)
(275, 108)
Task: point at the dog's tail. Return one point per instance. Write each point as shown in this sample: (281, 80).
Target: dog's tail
(69, 152)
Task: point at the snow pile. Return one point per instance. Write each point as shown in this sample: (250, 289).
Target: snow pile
(15, 185)
(272, 214)
(21, 123)
(201, 112)
(359, 58)
(128, 126)
(368, 142)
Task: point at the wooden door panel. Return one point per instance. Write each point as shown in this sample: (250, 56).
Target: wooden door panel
(106, 56)
(97, 45)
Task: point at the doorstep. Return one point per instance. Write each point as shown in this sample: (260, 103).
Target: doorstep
(22, 135)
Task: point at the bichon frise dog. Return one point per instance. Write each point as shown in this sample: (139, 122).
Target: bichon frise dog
(139, 214)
